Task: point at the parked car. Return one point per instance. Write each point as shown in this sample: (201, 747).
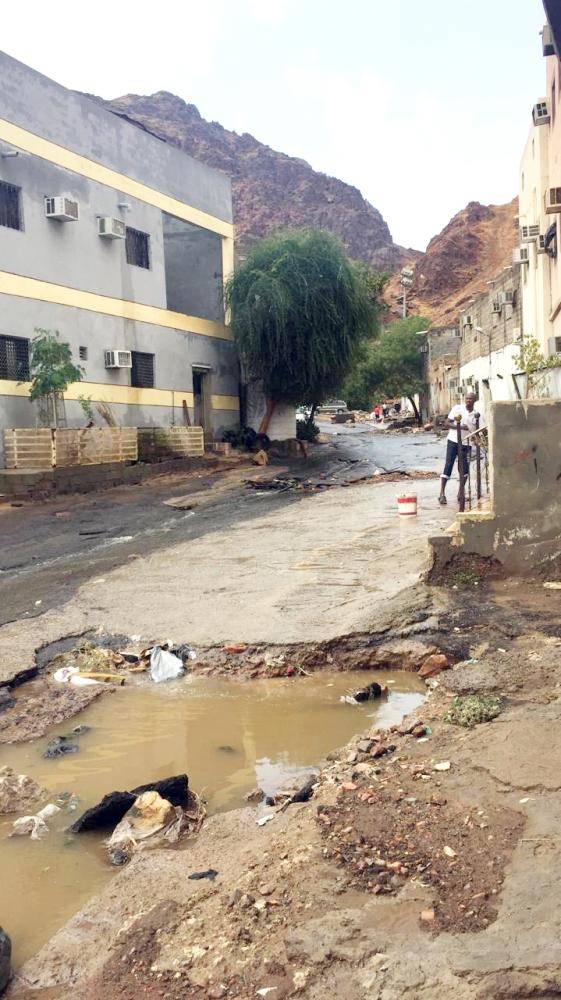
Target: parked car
(332, 406)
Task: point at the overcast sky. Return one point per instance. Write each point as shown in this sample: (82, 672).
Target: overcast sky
(422, 105)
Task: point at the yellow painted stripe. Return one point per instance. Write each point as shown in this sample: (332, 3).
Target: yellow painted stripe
(63, 157)
(126, 394)
(33, 288)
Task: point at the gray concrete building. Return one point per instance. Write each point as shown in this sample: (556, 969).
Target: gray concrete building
(120, 242)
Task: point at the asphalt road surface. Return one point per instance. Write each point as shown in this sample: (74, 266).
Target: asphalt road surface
(49, 549)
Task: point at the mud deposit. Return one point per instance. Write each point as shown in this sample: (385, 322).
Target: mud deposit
(228, 736)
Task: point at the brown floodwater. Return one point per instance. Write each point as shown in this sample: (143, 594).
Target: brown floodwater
(228, 736)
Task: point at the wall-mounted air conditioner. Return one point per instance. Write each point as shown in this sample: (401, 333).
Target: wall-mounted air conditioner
(548, 48)
(497, 307)
(540, 113)
(468, 320)
(554, 345)
(118, 359)
(517, 335)
(553, 200)
(60, 208)
(110, 228)
(520, 255)
(541, 247)
(529, 233)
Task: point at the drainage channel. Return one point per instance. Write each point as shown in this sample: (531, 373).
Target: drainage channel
(229, 737)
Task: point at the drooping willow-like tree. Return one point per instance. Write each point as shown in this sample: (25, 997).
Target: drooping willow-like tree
(299, 307)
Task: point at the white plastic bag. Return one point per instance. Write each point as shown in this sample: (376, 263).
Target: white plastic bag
(164, 666)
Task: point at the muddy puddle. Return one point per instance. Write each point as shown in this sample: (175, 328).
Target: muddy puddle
(227, 736)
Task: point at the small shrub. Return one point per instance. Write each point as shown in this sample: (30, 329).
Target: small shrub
(469, 711)
(246, 437)
(306, 430)
(464, 578)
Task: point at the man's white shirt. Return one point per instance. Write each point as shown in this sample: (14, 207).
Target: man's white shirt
(467, 418)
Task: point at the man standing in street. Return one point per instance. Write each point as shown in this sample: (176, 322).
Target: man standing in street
(465, 414)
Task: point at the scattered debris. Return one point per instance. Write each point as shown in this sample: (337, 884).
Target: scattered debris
(256, 795)
(427, 916)
(443, 766)
(165, 666)
(553, 585)
(5, 959)
(260, 457)
(210, 873)
(34, 826)
(59, 746)
(265, 819)
(6, 699)
(110, 811)
(449, 852)
(473, 709)
(237, 647)
(150, 821)
(434, 664)
(17, 791)
(370, 692)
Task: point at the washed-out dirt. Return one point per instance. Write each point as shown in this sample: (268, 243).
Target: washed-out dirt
(298, 908)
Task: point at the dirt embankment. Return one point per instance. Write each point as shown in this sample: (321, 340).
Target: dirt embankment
(420, 868)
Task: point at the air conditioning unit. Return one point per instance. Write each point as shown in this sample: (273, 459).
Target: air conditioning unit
(110, 228)
(548, 48)
(60, 208)
(118, 359)
(540, 113)
(468, 320)
(529, 233)
(497, 307)
(541, 247)
(554, 345)
(553, 200)
(521, 255)
(506, 298)
(517, 335)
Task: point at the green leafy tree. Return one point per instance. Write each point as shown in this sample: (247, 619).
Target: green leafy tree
(391, 366)
(299, 307)
(535, 366)
(51, 369)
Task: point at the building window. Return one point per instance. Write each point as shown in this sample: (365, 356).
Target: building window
(138, 248)
(10, 211)
(83, 353)
(14, 358)
(142, 371)
(553, 101)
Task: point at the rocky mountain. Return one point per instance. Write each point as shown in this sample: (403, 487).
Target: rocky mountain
(473, 248)
(270, 189)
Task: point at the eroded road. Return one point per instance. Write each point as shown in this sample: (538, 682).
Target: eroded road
(51, 548)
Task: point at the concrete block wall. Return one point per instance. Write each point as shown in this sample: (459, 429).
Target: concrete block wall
(522, 530)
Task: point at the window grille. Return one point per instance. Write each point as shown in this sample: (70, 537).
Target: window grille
(142, 371)
(14, 358)
(137, 248)
(10, 212)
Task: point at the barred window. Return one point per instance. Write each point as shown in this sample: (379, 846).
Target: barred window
(10, 210)
(142, 371)
(137, 247)
(14, 358)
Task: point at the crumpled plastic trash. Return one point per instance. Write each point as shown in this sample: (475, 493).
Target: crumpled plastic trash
(34, 826)
(65, 675)
(164, 666)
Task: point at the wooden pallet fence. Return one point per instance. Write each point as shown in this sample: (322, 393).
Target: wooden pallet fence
(158, 443)
(46, 448)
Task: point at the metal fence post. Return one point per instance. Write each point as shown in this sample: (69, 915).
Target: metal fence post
(461, 466)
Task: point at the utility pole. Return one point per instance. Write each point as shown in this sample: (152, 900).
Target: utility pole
(405, 280)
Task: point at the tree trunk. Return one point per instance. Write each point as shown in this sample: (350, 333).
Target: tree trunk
(415, 410)
(310, 419)
(271, 403)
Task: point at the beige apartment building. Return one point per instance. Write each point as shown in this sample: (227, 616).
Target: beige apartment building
(490, 340)
(540, 208)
